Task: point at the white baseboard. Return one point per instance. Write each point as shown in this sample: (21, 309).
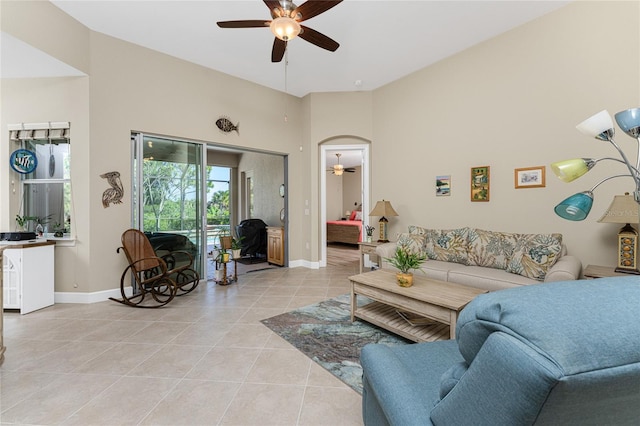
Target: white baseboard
(304, 264)
(101, 296)
(95, 297)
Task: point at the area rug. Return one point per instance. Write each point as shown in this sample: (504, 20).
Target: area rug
(324, 332)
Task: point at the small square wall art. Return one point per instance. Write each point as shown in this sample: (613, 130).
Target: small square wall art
(443, 186)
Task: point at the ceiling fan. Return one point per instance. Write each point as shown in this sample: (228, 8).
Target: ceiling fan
(285, 24)
(338, 169)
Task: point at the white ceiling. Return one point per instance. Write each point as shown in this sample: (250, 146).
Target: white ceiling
(380, 41)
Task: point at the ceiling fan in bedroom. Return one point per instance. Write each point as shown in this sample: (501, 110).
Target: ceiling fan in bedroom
(285, 24)
(338, 169)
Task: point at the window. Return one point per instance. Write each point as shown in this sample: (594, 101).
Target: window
(46, 191)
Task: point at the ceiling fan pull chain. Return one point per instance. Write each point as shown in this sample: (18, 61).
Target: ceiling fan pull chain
(286, 91)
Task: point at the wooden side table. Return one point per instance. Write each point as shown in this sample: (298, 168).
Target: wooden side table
(596, 271)
(226, 280)
(367, 248)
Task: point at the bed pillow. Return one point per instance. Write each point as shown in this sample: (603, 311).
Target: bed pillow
(353, 215)
(358, 215)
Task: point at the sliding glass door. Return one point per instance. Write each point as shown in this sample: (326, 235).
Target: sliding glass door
(168, 195)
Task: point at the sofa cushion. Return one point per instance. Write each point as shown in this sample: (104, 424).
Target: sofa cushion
(487, 278)
(440, 270)
(449, 245)
(534, 254)
(490, 249)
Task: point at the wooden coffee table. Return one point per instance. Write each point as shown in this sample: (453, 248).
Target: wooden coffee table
(437, 300)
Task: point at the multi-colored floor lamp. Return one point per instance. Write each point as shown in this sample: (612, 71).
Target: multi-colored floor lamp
(624, 208)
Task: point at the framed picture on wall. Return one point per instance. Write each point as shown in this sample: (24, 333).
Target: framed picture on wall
(443, 186)
(480, 183)
(530, 177)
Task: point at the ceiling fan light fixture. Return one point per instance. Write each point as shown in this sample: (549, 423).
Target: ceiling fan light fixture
(285, 28)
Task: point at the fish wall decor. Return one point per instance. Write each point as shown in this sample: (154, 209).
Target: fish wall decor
(114, 194)
(225, 125)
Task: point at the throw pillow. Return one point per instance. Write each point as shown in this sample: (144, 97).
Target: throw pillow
(352, 216)
(414, 243)
(448, 245)
(534, 254)
(358, 215)
(490, 249)
(417, 230)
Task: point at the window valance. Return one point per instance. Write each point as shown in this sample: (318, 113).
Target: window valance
(52, 131)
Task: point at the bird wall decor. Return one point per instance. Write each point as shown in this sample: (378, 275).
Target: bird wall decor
(114, 194)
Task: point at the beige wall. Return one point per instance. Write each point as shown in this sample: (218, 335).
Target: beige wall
(512, 102)
(352, 190)
(135, 88)
(268, 175)
(334, 119)
(333, 194)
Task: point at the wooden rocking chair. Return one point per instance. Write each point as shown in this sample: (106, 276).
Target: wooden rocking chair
(155, 276)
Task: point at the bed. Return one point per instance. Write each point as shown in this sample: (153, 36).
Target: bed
(345, 231)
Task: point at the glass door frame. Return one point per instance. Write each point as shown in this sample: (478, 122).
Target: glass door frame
(137, 212)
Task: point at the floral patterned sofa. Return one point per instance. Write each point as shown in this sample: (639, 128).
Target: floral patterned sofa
(487, 259)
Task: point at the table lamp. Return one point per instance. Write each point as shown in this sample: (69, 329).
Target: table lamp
(624, 209)
(383, 208)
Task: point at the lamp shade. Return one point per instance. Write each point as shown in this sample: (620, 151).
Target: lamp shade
(285, 28)
(576, 207)
(599, 126)
(569, 170)
(623, 209)
(383, 208)
(629, 121)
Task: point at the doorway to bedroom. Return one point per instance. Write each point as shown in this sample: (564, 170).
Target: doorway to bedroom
(344, 188)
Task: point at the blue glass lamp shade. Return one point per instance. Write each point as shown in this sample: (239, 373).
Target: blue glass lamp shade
(576, 207)
(629, 121)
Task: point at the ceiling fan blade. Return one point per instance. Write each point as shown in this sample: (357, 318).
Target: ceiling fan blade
(319, 39)
(350, 170)
(254, 23)
(272, 4)
(277, 53)
(313, 8)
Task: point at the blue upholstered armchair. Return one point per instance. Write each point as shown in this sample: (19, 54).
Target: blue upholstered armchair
(564, 353)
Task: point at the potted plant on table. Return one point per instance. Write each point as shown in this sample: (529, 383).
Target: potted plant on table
(369, 230)
(406, 260)
(223, 255)
(236, 247)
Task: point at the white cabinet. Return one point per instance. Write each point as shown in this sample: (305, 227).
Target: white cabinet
(28, 276)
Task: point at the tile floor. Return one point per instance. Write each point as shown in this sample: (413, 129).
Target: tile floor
(204, 359)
